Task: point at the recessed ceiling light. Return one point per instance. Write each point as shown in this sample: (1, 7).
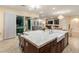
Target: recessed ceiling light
(76, 20)
(53, 8)
(62, 12)
(41, 12)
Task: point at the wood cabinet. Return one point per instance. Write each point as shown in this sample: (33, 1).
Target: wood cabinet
(45, 49)
(29, 48)
(60, 46)
(51, 47)
(48, 48)
(66, 39)
(53, 23)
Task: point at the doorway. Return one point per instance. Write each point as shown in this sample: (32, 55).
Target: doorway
(75, 27)
(19, 24)
(27, 23)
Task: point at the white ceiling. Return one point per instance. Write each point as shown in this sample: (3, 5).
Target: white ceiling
(47, 10)
(67, 10)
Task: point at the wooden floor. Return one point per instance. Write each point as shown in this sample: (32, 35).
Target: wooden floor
(11, 46)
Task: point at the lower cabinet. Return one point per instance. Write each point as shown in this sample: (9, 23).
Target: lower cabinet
(48, 48)
(29, 48)
(45, 49)
(66, 40)
(51, 47)
(60, 46)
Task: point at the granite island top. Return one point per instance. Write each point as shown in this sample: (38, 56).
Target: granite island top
(40, 38)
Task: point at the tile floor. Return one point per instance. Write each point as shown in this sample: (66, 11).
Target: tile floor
(11, 46)
(73, 46)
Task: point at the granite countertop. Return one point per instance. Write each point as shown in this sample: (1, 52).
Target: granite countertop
(40, 38)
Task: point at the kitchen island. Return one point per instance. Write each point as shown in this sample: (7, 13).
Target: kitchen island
(48, 41)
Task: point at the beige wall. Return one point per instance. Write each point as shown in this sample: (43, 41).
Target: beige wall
(1, 23)
(74, 27)
(14, 11)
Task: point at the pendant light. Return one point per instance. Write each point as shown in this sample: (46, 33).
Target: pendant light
(60, 17)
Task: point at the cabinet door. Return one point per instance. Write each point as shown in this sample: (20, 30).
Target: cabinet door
(66, 40)
(45, 49)
(60, 46)
(9, 25)
(29, 48)
(53, 46)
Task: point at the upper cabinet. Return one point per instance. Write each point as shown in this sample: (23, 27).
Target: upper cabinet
(56, 24)
(52, 23)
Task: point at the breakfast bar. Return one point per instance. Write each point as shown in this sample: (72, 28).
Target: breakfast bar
(48, 41)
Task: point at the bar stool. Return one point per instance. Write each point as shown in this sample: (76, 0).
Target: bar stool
(21, 42)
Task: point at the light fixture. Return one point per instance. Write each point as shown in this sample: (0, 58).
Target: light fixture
(60, 17)
(62, 12)
(53, 8)
(34, 6)
(76, 20)
(39, 20)
(43, 22)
